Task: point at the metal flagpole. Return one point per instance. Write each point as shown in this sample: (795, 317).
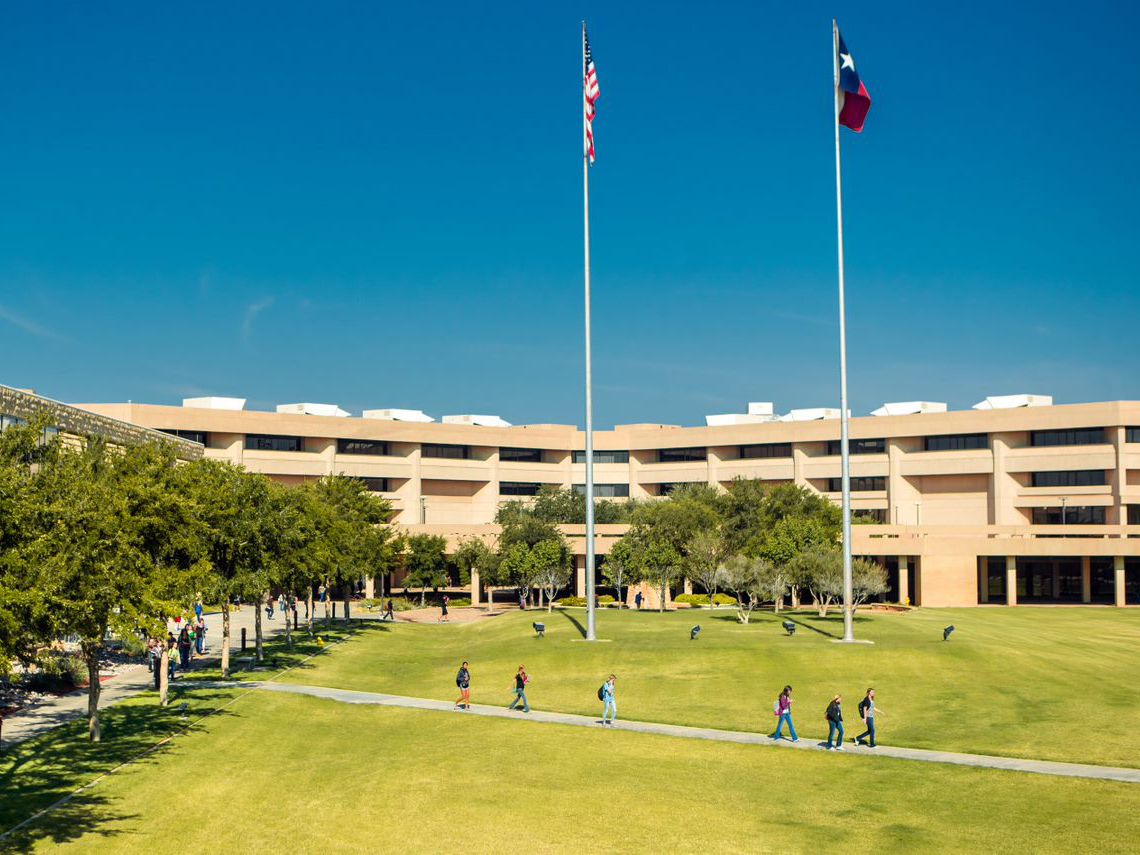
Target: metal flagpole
(591, 634)
(845, 458)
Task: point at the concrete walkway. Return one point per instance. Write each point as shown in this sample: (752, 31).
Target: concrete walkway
(60, 709)
(984, 761)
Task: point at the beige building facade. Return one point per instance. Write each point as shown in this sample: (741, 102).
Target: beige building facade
(1026, 504)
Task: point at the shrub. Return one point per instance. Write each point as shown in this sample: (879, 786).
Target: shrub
(57, 673)
(703, 600)
(459, 602)
(606, 600)
(133, 645)
(399, 604)
(571, 601)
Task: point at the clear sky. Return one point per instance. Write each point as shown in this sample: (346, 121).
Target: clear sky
(381, 207)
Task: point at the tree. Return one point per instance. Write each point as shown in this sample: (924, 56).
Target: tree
(868, 579)
(704, 552)
(615, 570)
(659, 564)
(426, 563)
(742, 574)
(550, 567)
(474, 555)
(820, 568)
(563, 506)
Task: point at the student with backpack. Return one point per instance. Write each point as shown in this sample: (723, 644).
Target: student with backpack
(463, 681)
(867, 710)
(782, 709)
(606, 694)
(835, 723)
(521, 680)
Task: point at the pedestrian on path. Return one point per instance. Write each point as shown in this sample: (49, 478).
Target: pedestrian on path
(443, 609)
(783, 712)
(283, 606)
(521, 680)
(608, 694)
(835, 723)
(184, 648)
(522, 599)
(171, 657)
(463, 681)
(269, 609)
(867, 710)
(200, 635)
(390, 613)
(638, 600)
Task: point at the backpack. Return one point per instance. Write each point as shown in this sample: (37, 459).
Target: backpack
(863, 705)
(602, 692)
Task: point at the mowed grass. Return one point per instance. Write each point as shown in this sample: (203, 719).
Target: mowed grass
(286, 773)
(1059, 684)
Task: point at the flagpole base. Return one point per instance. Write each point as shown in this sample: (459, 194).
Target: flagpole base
(851, 641)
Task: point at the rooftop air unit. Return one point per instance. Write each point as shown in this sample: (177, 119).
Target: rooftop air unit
(1012, 402)
(397, 415)
(470, 419)
(309, 409)
(811, 415)
(214, 403)
(909, 408)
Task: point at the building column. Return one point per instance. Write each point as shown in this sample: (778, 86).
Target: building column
(369, 587)
(1086, 579)
(983, 579)
(580, 588)
(1118, 582)
(475, 587)
(904, 580)
(1011, 580)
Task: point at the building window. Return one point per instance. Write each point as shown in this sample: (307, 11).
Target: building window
(520, 455)
(7, 421)
(765, 451)
(1134, 514)
(362, 446)
(602, 456)
(879, 515)
(957, 442)
(198, 436)
(606, 491)
(665, 489)
(448, 452)
(1070, 478)
(873, 483)
(1132, 434)
(267, 442)
(681, 455)
(1077, 515)
(858, 446)
(376, 485)
(518, 488)
(1075, 436)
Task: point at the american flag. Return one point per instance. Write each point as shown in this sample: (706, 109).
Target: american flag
(590, 92)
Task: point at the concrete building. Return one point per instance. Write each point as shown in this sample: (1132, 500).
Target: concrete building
(1014, 501)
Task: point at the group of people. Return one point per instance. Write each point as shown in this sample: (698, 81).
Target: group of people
(184, 638)
(782, 709)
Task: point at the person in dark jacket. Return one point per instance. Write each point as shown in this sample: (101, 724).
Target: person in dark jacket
(867, 710)
(521, 680)
(184, 647)
(463, 681)
(835, 723)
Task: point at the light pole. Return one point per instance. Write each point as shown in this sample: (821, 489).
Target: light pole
(1064, 501)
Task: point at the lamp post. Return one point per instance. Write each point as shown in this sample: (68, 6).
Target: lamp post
(1064, 501)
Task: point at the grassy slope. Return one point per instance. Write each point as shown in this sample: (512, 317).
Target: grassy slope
(300, 774)
(1047, 683)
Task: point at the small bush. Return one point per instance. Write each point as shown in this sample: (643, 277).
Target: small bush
(571, 601)
(133, 645)
(458, 602)
(606, 600)
(57, 673)
(399, 604)
(703, 600)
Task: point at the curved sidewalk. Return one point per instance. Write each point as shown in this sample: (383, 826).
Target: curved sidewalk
(984, 761)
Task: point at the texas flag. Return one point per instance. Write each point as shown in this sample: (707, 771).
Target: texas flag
(854, 100)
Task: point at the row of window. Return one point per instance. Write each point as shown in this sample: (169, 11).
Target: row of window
(1077, 515)
(7, 421)
(956, 442)
(857, 446)
(863, 484)
(601, 456)
(1070, 478)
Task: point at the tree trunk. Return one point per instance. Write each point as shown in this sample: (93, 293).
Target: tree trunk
(347, 600)
(549, 602)
(91, 651)
(328, 602)
(423, 595)
(490, 599)
(164, 675)
(795, 596)
(288, 625)
(225, 640)
(661, 605)
(258, 640)
(309, 611)
(778, 604)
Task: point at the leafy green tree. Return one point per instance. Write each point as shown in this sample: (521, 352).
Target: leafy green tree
(704, 552)
(820, 569)
(868, 580)
(563, 506)
(743, 575)
(474, 555)
(550, 567)
(616, 569)
(426, 563)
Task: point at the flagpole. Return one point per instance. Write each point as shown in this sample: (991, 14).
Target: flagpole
(845, 457)
(591, 633)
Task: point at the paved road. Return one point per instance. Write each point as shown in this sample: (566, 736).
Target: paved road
(985, 761)
(59, 709)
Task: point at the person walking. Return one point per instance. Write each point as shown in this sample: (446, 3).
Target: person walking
(867, 710)
(609, 700)
(269, 608)
(463, 681)
(443, 609)
(390, 613)
(782, 709)
(184, 648)
(200, 635)
(521, 680)
(835, 723)
(638, 600)
(522, 599)
(171, 657)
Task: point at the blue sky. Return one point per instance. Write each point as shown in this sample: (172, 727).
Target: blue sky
(382, 207)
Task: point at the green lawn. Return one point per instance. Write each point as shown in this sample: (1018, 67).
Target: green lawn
(1059, 684)
(300, 774)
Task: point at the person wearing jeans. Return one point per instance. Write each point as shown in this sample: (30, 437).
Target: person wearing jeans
(867, 711)
(521, 679)
(783, 711)
(835, 723)
(610, 701)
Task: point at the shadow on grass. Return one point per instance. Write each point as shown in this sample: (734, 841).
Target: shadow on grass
(566, 614)
(37, 773)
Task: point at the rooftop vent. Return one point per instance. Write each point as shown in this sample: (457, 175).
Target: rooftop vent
(397, 415)
(811, 415)
(214, 403)
(482, 421)
(312, 410)
(909, 408)
(1011, 402)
